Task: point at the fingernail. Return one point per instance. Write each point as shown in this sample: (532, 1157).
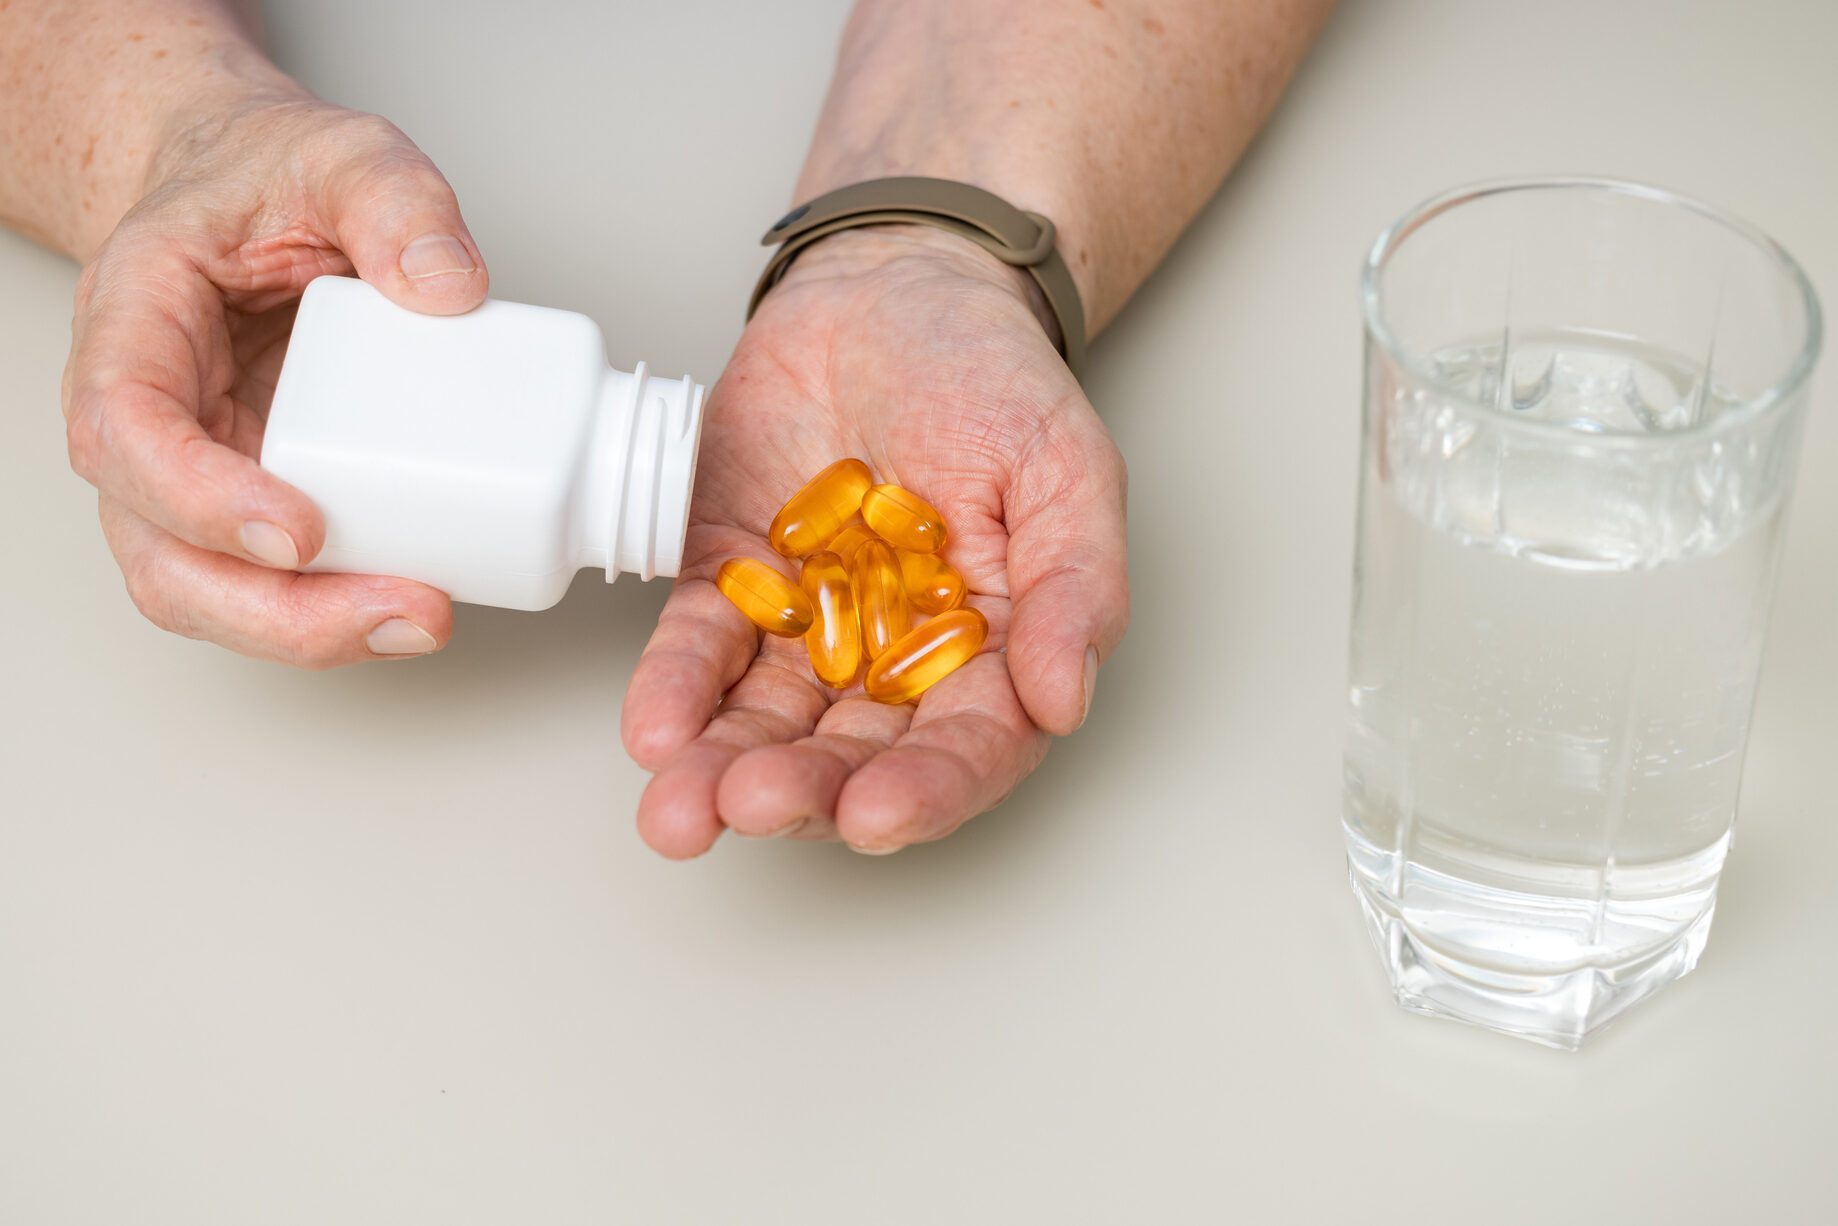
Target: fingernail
(400, 637)
(789, 828)
(270, 545)
(873, 851)
(435, 255)
(1091, 681)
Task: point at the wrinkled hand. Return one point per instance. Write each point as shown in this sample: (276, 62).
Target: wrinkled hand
(181, 322)
(920, 354)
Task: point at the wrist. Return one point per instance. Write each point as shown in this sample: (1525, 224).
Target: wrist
(197, 120)
(917, 250)
(1005, 153)
(177, 114)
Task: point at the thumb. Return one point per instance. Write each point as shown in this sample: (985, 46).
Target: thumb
(1069, 580)
(397, 220)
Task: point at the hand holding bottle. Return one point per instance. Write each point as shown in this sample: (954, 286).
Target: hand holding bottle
(202, 188)
(181, 320)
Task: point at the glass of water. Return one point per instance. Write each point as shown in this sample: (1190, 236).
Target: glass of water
(1583, 409)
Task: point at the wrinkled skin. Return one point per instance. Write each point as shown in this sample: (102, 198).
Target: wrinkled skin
(909, 348)
(181, 321)
(916, 352)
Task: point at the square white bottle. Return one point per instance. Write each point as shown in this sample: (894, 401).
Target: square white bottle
(491, 454)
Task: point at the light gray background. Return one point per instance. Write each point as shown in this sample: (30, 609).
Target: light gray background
(381, 946)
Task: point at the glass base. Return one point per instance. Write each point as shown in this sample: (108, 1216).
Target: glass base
(1558, 1010)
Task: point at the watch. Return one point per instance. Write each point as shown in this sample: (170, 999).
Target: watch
(1021, 239)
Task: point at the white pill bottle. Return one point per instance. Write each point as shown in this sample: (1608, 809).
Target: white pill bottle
(491, 454)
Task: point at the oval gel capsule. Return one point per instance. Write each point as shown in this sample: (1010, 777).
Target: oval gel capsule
(771, 601)
(903, 519)
(835, 637)
(849, 540)
(818, 511)
(932, 584)
(926, 656)
(880, 597)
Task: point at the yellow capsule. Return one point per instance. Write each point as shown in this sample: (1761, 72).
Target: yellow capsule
(771, 601)
(817, 512)
(903, 519)
(932, 584)
(880, 597)
(926, 656)
(849, 540)
(835, 637)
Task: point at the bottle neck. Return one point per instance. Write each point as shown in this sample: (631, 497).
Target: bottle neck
(639, 468)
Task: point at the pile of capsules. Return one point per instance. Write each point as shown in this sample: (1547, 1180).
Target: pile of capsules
(861, 582)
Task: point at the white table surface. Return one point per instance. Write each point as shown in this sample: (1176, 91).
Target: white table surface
(381, 946)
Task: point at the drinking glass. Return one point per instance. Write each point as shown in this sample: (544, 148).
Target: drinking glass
(1583, 410)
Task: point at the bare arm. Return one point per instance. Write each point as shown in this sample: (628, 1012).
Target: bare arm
(90, 91)
(1118, 119)
(202, 189)
(919, 352)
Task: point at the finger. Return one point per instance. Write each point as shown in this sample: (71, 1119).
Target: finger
(970, 743)
(1066, 570)
(311, 621)
(781, 791)
(396, 217)
(142, 384)
(701, 647)
(777, 700)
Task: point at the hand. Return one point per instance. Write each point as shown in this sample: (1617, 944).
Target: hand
(918, 352)
(182, 319)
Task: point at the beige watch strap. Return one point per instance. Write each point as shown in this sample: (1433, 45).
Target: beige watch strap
(1024, 240)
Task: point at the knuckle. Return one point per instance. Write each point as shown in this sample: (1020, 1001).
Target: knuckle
(399, 189)
(381, 151)
(313, 658)
(417, 182)
(153, 599)
(308, 627)
(295, 646)
(316, 649)
(377, 130)
(353, 134)
(83, 442)
(365, 156)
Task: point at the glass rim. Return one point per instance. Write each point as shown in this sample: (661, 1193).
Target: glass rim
(1781, 391)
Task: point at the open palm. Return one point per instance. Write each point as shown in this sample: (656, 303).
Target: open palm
(920, 355)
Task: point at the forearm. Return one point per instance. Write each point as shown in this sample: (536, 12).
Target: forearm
(89, 92)
(1115, 118)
